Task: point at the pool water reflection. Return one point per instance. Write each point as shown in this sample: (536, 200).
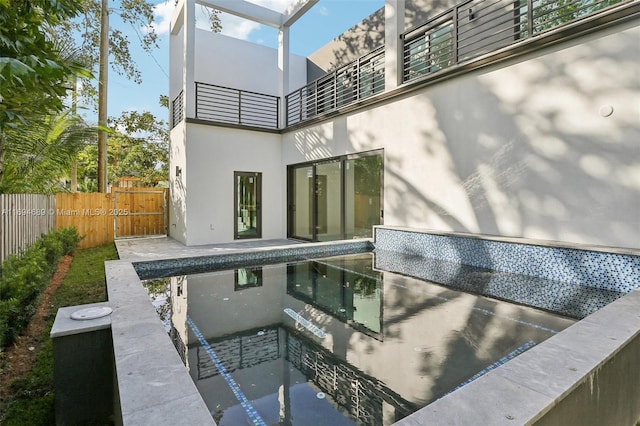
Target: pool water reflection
(333, 341)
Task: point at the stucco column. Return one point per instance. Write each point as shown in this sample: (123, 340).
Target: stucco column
(283, 71)
(394, 11)
(188, 70)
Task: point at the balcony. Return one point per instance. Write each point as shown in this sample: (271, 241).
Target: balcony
(466, 36)
(478, 27)
(225, 105)
(349, 84)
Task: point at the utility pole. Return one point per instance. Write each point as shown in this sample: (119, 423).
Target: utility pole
(102, 97)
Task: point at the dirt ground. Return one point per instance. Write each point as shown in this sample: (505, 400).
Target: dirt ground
(19, 357)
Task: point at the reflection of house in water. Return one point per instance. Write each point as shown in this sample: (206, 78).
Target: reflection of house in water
(385, 348)
(178, 332)
(345, 293)
(346, 388)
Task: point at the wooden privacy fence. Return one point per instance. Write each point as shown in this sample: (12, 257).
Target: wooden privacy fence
(98, 217)
(125, 212)
(23, 219)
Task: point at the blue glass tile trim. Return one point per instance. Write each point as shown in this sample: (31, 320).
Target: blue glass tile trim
(564, 298)
(609, 271)
(192, 265)
(233, 385)
(495, 365)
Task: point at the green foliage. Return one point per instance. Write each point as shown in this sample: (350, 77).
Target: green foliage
(134, 14)
(32, 397)
(139, 147)
(22, 279)
(69, 238)
(33, 72)
(38, 157)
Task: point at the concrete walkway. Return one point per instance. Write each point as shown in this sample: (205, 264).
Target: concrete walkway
(155, 248)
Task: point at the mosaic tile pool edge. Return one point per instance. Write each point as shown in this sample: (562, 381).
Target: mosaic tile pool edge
(170, 267)
(603, 270)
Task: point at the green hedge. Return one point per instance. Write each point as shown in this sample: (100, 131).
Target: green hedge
(23, 277)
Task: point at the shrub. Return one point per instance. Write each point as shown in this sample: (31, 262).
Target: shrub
(23, 277)
(70, 239)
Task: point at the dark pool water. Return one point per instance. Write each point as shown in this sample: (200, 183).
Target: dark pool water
(333, 341)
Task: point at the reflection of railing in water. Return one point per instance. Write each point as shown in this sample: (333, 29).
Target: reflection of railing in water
(360, 395)
(233, 385)
(239, 351)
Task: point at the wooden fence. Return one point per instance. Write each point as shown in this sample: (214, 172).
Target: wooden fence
(141, 211)
(23, 219)
(90, 213)
(99, 218)
(124, 212)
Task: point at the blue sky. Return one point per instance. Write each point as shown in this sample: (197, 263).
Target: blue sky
(325, 21)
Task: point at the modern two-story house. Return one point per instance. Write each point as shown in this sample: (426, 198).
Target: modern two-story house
(516, 118)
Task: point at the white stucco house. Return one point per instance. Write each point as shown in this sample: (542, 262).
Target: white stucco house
(508, 118)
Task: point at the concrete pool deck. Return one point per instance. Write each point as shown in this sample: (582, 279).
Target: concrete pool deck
(147, 249)
(586, 374)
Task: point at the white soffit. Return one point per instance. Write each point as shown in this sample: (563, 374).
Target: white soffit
(261, 14)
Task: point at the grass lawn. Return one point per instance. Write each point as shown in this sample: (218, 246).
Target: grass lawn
(31, 400)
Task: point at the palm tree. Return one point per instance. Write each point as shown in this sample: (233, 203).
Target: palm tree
(40, 154)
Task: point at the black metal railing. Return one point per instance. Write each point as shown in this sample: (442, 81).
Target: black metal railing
(233, 106)
(177, 109)
(351, 83)
(478, 27)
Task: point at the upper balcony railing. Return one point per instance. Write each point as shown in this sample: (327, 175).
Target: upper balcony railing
(456, 37)
(232, 106)
(478, 27)
(177, 109)
(351, 83)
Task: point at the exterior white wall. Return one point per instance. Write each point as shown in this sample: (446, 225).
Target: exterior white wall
(177, 194)
(212, 155)
(517, 149)
(239, 64)
(208, 155)
(176, 63)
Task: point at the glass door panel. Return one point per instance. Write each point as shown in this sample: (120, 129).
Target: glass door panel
(329, 201)
(248, 215)
(301, 199)
(363, 189)
(335, 198)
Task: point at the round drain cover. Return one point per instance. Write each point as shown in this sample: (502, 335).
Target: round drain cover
(91, 313)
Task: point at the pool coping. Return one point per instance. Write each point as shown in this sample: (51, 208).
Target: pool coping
(150, 373)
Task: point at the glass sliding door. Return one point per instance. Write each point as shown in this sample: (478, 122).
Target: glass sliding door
(301, 189)
(248, 213)
(363, 199)
(335, 198)
(328, 201)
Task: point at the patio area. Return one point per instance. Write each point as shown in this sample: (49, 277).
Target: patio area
(157, 248)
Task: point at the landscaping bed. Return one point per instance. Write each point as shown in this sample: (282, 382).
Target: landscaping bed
(26, 367)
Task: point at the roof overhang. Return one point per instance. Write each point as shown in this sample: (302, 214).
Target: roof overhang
(261, 14)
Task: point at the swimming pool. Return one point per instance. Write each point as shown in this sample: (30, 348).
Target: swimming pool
(335, 340)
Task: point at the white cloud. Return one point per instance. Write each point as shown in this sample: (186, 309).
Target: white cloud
(234, 26)
(162, 21)
(323, 10)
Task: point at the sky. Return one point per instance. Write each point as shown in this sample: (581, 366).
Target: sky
(321, 24)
